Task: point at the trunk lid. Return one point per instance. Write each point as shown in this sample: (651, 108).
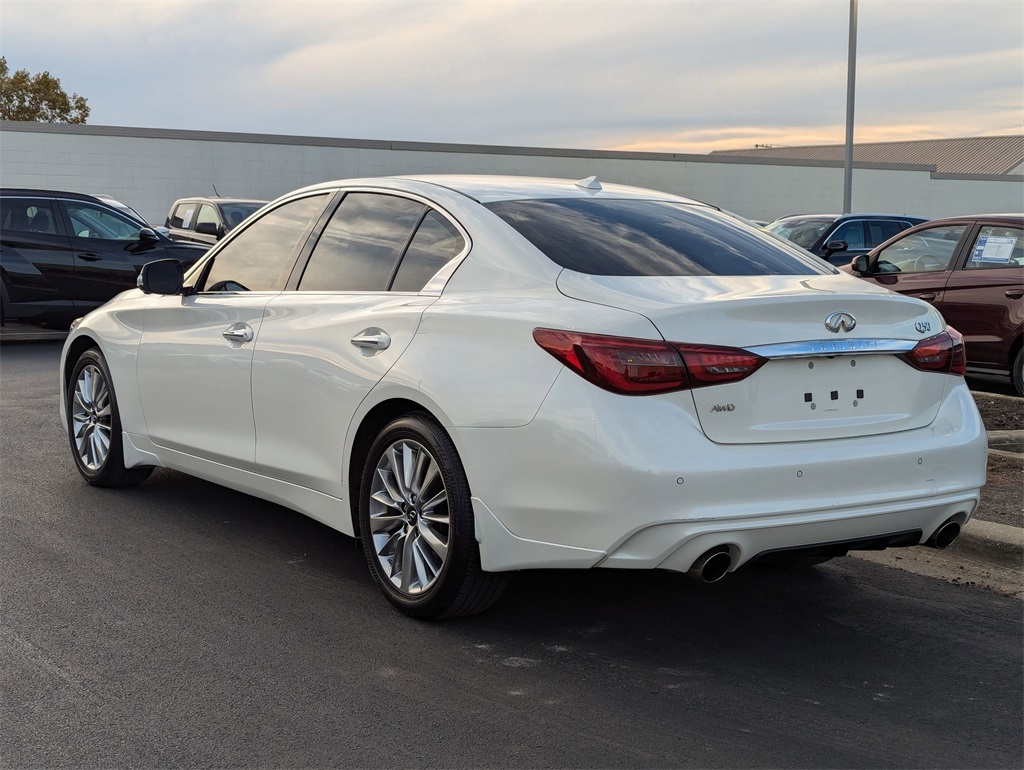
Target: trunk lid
(817, 383)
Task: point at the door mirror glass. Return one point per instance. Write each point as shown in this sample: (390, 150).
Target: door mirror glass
(860, 264)
(163, 276)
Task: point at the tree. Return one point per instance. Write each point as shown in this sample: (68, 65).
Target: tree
(38, 98)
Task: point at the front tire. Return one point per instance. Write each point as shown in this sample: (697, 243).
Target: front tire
(416, 524)
(94, 425)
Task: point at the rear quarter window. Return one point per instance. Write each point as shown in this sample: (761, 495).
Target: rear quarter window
(649, 238)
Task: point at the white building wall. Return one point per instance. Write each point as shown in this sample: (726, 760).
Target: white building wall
(149, 169)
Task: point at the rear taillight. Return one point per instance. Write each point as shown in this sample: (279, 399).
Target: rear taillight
(642, 367)
(942, 353)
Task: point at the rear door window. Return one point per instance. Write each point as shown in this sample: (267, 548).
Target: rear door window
(28, 215)
(649, 238)
(881, 230)
(997, 247)
(361, 244)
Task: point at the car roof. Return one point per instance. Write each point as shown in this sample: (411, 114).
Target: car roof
(851, 216)
(971, 217)
(36, 193)
(216, 199)
(494, 188)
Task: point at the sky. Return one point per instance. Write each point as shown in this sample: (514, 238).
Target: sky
(688, 76)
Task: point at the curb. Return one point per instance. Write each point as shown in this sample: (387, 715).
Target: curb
(1006, 441)
(997, 543)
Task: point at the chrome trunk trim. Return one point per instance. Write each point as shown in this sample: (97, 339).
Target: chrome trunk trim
(818, 348)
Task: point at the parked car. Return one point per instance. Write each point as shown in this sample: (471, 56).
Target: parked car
(840, 238)
(63, 254)
(477, 375)
(971, 269)
(207, 220)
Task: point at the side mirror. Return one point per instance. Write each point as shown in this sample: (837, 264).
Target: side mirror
(162, 276)
(208, 228)
(861, 265)
(148, 235)
(833, 246)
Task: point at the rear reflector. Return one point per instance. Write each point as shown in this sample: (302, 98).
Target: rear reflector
(942, 353)
(637, 367)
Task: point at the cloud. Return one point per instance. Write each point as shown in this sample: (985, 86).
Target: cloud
(682, 76)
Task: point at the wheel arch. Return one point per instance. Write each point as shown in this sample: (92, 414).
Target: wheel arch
(1015, 349)
(74, 350)
(369, 426)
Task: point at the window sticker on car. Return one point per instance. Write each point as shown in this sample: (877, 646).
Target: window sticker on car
(187, 219)
(993, 248)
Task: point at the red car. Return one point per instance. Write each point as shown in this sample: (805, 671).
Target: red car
(972, 270)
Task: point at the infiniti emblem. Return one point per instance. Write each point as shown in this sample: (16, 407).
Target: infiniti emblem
(837, 322)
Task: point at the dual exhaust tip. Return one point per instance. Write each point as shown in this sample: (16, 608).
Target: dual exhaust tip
(714, 565)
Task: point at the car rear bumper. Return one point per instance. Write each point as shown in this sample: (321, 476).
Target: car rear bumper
(603, 480)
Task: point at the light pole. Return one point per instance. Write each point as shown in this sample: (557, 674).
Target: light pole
(851, 77)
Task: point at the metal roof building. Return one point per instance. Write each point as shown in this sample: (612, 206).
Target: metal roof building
(968, 155)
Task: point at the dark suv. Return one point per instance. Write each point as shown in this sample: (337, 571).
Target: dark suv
(972, 269)
(207, 220)
(841, 238)
(63, 254)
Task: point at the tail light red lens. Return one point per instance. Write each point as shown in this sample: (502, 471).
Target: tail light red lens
(942, 353)
(637, 367)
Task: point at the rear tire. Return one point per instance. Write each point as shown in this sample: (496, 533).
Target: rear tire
(94, 425)
(416, 524)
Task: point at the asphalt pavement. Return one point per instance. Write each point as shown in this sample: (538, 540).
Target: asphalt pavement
(182, 624)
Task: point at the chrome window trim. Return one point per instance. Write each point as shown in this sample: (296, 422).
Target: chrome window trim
(818, 348)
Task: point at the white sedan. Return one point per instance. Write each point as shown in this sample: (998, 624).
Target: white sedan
(477, 375)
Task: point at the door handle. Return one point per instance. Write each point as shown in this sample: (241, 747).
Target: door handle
(927, 297)
(240, 333)
(89, 257)
(372, 340)
(1015, 293)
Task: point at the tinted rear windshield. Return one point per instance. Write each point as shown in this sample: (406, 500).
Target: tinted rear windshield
(649, 238)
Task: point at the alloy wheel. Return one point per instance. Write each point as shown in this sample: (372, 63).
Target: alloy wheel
(410, 522)
(91, 417)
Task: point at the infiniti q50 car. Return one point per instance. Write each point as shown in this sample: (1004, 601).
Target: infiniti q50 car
(477, 375)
